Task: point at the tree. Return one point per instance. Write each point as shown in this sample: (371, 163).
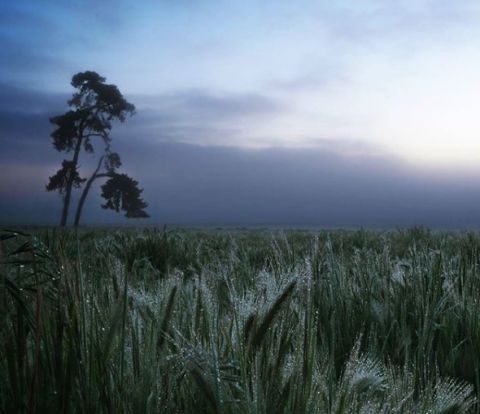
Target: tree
(94, 107)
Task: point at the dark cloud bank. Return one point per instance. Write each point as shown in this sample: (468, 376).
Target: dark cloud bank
(190, 184)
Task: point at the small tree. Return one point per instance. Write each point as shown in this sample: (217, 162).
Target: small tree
(93, 108)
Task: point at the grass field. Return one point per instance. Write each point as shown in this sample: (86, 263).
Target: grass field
(152, 321)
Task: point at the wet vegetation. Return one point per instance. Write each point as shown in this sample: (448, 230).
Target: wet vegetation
(148, 321)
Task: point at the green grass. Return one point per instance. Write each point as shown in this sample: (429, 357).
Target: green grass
(149, 321)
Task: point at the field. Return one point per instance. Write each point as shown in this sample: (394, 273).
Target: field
(158, 321)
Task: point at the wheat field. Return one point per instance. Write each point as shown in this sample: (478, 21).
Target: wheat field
(239, 321)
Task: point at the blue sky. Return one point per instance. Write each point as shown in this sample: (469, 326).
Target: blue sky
(385, 88)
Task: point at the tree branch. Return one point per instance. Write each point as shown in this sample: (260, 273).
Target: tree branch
(83, 197)
(95, 135)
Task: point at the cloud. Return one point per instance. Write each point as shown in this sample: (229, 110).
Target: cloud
(189, 177)
(18, 99)
(23, 64)
(200, 116)
(24, 124)
(18, 19)
(378, 21)
(43, 43)
(206, 105)
(305, 82)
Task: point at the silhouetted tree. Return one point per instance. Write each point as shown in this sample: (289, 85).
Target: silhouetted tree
(93, 108)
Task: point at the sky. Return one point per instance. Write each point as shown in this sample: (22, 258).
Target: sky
(296, 113)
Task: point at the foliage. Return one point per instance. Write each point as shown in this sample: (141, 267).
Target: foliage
(122, 193)
(68, 173)
(147, 321)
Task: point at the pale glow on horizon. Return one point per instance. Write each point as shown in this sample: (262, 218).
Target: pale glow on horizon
(425, 110)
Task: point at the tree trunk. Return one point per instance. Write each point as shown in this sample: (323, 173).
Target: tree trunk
(68, 191)
(81, 202)
(66, 203)
(83, 197)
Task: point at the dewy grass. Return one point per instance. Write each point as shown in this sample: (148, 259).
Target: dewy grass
(148, 321)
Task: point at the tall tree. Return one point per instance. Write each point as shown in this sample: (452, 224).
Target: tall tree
(94, 106)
